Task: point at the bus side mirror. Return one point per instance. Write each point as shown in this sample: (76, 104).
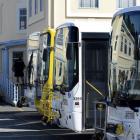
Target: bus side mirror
(137, 53)
(45, 54)
(69, 51)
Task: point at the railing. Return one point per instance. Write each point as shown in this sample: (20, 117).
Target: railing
(9, 90)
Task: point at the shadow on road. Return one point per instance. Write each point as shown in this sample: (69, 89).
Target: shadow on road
(25, 124)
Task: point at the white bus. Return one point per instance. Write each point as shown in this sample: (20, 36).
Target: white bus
(97, 78)
(124, 108)
(81, 76)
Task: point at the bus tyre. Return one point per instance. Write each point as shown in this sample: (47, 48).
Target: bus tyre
(98, 136)
(19, 104)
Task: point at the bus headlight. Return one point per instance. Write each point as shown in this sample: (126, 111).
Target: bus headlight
(119, 129)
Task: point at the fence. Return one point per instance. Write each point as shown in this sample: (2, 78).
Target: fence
(9, 90)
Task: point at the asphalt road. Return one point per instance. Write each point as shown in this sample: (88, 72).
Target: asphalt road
(24, 124)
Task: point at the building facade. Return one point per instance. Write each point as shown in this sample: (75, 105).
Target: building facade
(13, 24)
(21, 18)
(44, 13)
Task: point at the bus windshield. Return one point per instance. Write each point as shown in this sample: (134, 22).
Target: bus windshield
(66, 57)
(43, 64)
(125, 66)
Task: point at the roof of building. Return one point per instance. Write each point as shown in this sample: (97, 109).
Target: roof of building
(11, 43)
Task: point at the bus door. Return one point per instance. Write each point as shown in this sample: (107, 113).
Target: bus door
(95, 48)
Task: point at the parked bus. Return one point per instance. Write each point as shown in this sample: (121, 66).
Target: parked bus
(124, 109)
(80, 76)
(27, 99)
(96, 78)
(44, 79)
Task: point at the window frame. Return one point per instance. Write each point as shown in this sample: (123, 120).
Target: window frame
(36, 7)
(115, 46)
(20, 19)
(125, 46)
(122, 4)
(30, 8)
(92, 4)
(41, 5)
(129, 51)
(122, 44)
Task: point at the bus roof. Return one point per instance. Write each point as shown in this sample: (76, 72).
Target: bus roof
(67, 24)
(125, 10)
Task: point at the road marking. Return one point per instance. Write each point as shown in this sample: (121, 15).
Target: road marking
(24, 136)
(26, 123)
(20, 109)
(6, 119)
(16, 130)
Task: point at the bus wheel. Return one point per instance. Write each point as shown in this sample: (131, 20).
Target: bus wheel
(98, 136)
(19, 104)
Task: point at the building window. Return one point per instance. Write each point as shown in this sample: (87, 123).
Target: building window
(122, 38)
(129, 51)
(115, 46)
(22, 18)
(30, 8)
(41, 5)
(116, 37)
(125, 3)
(36, 7)
(121, 48)
(125, 49)
(88, 3)
(125, 41)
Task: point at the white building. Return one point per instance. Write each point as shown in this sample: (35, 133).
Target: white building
(44, 13)
(13, 25)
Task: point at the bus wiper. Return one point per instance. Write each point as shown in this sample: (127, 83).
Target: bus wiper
(95, 89)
